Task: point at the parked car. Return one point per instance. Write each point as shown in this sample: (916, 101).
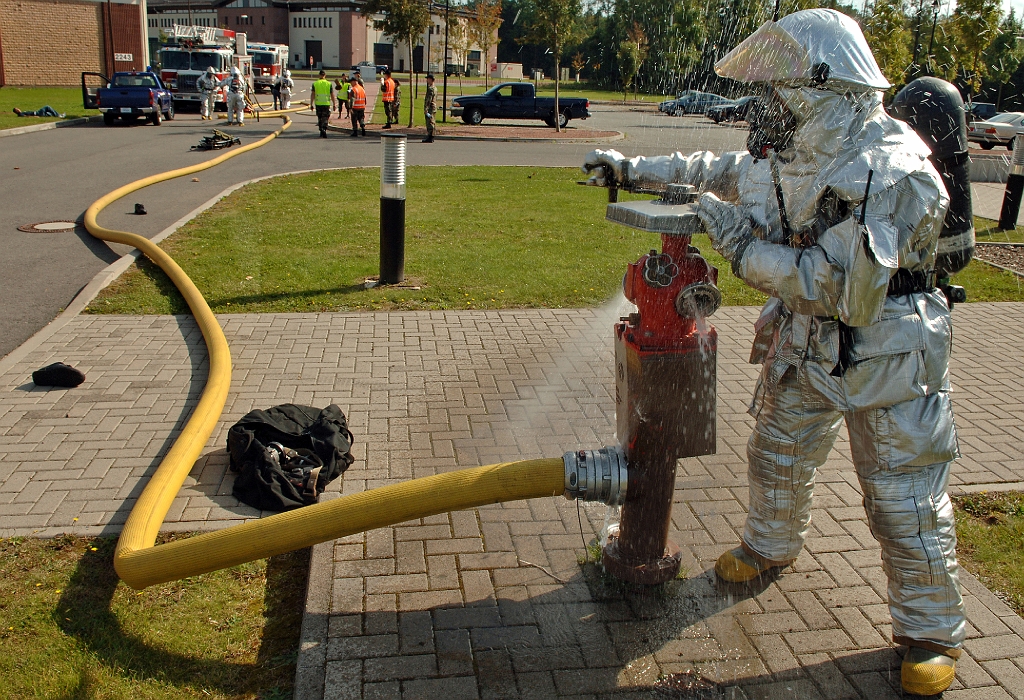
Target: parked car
(378, 68)
(669, 106)
(980, 111)
(518, 101)
(731, 111)
(131, 95)
(1000, 130)
(692, 103)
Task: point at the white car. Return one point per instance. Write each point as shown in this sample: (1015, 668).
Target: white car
(1000, 130)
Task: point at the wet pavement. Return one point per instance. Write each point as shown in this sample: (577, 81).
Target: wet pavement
(495, 601)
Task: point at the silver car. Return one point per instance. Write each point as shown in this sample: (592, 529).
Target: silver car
(1000, 130)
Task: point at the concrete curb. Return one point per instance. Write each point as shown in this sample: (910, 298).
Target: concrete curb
(618, 136)
(19, 130)
(1000, 267)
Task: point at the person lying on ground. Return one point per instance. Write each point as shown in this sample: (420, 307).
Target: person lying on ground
(46, 111)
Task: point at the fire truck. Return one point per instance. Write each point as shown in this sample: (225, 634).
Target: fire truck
(268, 64)
(193, 49)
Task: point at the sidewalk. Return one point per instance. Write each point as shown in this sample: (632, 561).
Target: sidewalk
(492, 602)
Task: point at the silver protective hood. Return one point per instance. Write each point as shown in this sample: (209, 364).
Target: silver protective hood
(840, 139)
(792, 51)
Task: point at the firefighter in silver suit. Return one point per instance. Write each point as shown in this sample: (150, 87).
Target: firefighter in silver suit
(835, 213)
(207, 85)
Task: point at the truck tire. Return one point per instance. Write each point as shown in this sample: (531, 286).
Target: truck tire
(563, 119)
(156, 117)
(474, 116)
(169, 114)
(109, 118)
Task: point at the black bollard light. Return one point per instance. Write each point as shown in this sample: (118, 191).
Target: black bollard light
(1014, 187)
(392, 209)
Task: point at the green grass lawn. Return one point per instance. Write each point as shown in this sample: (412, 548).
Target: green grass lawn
(70, 629)
(990, 538)
(507, 238)
(987, 231)
(67, 101)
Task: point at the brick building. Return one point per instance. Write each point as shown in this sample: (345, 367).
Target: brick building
(51, 42)
(333, 33)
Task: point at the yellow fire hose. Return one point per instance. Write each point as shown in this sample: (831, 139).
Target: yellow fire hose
(140, 563)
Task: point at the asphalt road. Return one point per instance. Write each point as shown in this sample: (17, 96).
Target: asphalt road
(57, 174)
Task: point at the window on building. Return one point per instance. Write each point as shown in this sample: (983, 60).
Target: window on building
(330, 23)
(263, 19)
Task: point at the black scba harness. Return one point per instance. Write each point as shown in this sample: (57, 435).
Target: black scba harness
(910, 282)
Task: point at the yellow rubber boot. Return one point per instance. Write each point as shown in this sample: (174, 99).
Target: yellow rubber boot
(927, 672)
(737, 566)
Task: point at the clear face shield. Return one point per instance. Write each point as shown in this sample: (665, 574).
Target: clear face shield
(772, 125)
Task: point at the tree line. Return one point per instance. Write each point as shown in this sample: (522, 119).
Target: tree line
(665, 46)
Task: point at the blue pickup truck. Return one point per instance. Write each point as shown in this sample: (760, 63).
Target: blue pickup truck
(518, 101)
(134, 95)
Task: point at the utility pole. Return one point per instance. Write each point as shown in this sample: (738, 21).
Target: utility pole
(444, 64)
(931, 42)
(917, 37)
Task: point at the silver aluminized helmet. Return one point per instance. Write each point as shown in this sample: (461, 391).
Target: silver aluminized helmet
(809, 47)
(209, 70)
(287, 74)
(235, 71)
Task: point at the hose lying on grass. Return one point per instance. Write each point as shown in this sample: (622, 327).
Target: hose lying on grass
(140, 563)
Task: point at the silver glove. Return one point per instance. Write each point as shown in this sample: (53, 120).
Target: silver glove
(727, 226)
(606, 168)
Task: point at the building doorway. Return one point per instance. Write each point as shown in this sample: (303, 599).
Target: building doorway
(314, 54)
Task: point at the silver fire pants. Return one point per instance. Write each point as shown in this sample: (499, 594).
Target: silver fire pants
(236, 108)
(208, 104)
(902, 455)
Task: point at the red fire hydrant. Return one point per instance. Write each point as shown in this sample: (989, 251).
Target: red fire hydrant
(665, 373)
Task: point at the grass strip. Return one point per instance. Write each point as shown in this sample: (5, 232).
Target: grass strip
(67, 101)
(476, 238)
(990, 538)
(987, 231)
(70, 629)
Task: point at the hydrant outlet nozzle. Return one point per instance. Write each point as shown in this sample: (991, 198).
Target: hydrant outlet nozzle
(596, 475)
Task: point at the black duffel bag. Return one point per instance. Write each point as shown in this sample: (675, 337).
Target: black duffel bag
(285, 456)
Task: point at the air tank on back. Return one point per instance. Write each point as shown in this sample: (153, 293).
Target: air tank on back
(935, 110)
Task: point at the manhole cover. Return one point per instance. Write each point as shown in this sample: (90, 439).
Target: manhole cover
(49, 227)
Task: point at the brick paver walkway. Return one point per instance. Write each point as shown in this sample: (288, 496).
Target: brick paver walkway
(493, 602)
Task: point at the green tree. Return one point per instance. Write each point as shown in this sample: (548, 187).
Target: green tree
(1004, 53)
(885, 28)
(483, 29)
(555, 24)
(632, 53)
(399, 19)
(976, 24)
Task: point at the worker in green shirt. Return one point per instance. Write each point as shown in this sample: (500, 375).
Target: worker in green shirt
(321, 98)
